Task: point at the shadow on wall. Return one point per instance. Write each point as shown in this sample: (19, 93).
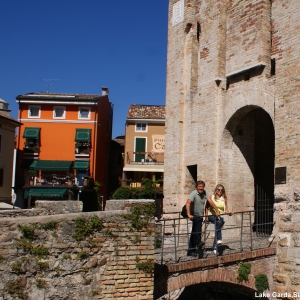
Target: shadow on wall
(217, 290)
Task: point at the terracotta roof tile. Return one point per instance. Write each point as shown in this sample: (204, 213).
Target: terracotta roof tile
(137, 111)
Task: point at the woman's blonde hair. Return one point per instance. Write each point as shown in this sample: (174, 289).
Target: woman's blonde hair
(224, 192)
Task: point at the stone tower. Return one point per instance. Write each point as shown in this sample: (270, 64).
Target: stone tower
(233, 111)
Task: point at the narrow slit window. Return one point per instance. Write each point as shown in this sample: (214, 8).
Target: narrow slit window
(273, 66)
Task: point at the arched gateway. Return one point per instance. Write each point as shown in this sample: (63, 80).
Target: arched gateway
(246, 164)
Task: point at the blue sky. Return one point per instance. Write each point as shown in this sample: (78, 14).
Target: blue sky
(120, 44)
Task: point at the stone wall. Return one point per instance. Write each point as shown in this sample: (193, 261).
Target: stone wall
(41, 259)
(59, 207)
(18, 213)
(286, 275)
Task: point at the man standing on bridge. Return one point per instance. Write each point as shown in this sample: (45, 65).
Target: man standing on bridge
(198, 197)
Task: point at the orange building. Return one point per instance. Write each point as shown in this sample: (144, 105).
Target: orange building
(62, 136)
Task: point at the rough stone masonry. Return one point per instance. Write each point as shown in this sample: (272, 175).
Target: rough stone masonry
(233, 112)
(97, 255)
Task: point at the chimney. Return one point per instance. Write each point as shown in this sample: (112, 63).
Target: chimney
(104, 91)
(4, 107)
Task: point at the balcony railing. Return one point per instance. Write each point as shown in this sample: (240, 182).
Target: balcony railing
(29, 149)
(150, 158)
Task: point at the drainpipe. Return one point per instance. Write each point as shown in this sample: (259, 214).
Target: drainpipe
(13, 180)
(95, 136)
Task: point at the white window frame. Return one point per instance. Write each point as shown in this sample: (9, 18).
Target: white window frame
(82, 118)
(64, 114)
(136, 127)
(34, 106)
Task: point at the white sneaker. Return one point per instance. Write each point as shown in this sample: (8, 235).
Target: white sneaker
(215, 251)
(219, 242)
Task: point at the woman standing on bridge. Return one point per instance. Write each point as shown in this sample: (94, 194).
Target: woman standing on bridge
(219, 198)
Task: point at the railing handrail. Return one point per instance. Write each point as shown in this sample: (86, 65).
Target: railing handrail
(204, 216)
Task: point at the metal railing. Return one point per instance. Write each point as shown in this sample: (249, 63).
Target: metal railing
(150, 158)
(240, 233)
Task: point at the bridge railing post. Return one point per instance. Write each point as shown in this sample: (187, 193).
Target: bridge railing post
(241, 233)
(175, 243)
(163, 241)
(250, 225)
(178, 231)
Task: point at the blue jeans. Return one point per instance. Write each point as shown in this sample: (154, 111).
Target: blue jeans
(219, 225)
(195, 237)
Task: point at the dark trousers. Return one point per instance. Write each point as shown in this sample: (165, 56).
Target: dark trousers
(195, 237)
(219, 224)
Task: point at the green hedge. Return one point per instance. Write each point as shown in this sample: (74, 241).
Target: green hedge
(146, 191)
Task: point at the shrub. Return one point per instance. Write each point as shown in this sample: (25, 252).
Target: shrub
(16, 288)
(66, 256)
(24, 244)
(140, 215)
(244, 271)
(146, 266)
(146, 191)
(28, 231)
(122, 192)
(84, 227)
(82, 255)
(43, 265)
(41, 252)
(261, 282)
(16, 267)
(52, 225)
(41, 283)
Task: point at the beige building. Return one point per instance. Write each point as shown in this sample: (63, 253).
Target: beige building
(233, 113)
(7, 145)
(144, 143)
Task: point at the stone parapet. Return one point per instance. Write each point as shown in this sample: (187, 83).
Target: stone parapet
(19, 213)
(72, 256)
(59, 207)
(125, 204)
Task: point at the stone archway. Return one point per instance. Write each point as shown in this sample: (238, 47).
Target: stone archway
(217, 290)
(246, 164)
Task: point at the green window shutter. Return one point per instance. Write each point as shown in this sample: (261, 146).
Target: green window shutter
(31, 132)
(140, 146)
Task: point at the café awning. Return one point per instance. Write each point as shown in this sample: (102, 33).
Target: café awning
(51, 165)
(81, 165)
(45, 192)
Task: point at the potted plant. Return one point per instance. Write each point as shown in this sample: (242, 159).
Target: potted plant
(31, 174)
(35, 149)
(70, 177)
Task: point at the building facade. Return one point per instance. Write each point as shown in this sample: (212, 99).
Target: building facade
(144, 144)
(64, 139)
(8, 127)
(232, 112)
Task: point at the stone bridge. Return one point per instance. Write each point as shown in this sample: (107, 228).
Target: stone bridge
(173, 277)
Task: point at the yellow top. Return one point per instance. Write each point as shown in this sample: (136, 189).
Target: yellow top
(220, 204)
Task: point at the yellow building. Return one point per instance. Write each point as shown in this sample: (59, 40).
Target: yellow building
(7, 145)
(144, 143)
